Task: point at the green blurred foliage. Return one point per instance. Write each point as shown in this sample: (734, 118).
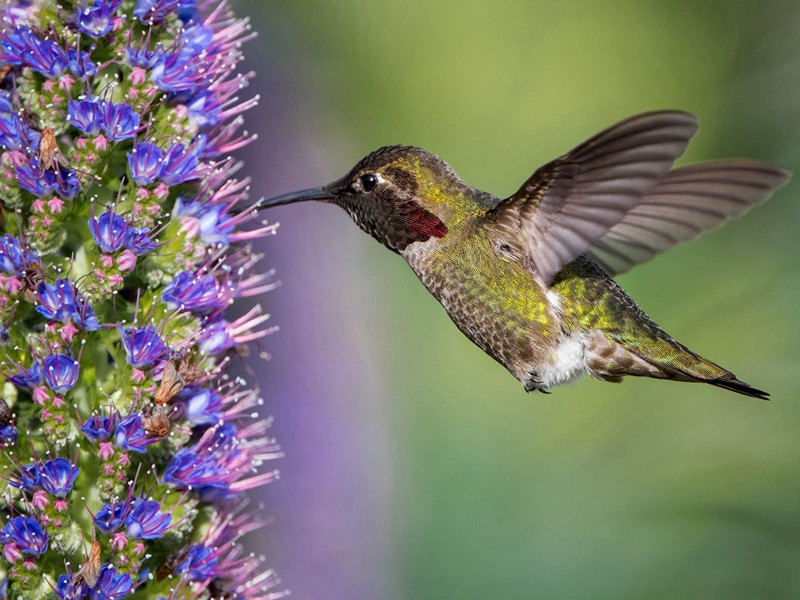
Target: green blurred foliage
(645, 489)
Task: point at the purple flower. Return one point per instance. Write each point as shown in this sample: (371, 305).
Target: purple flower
(202, 407)
(99, 427)
(205, 108)
(143, 346)
(13, 259)
(142, 56)
(145, 522)
(145, 163)
(200, 564)
(179, 165)
(63, 182)
(112, 516)
(94, 21)
(58, 475)
(28, 478)
(60, 372)
(214, 224)
(30, 178)
(217, 337)
(86, 115)
(109, 231)
(120, 121)
(138, 240)
(130, 434)
(111, 585)
(27, 534)
(27, 378)
(57, 302)
(8, 437)
(155, 11)
(197, 293)
(20, 46)
(67, 590)
(207, 466)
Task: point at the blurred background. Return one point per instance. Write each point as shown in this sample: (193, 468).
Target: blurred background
(415, 466)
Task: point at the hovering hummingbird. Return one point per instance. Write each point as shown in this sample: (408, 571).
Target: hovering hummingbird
(529, 278)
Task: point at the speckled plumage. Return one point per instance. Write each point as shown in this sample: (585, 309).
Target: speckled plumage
(529, 278)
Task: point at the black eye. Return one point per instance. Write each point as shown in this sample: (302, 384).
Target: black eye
(369, 181)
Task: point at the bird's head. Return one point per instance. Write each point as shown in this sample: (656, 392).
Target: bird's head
(397, 194)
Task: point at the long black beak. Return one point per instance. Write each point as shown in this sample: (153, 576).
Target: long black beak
(322, 194)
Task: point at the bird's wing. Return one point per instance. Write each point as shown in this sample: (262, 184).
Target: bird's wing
(684, 204)
(570, 203)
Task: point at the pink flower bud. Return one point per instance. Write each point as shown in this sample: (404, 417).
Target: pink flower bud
(50, 85)
(40, 395)
(38, 205)
(55, 204)
(67, 332)
(107, 260)
(40, 501)
(58, 401)
(100, 142)
(13, 285)
(124, 460)
(81, 142)
(12, 553)
(45, 413)
(138, 76)
(119, 541)
(161, 191)
(126, 261)
(116, 279)
(106, 450)
(61, 505)
(138, 376)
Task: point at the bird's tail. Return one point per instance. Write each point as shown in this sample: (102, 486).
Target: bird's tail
(670, 359)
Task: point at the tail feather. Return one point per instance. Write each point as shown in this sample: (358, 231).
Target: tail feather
(740, 387)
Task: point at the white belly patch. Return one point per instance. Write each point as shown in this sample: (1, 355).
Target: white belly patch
(566, 363)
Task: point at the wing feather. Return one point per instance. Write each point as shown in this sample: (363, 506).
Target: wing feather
(572, 202)
(685, 203)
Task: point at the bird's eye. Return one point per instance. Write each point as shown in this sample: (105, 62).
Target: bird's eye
(369, 181)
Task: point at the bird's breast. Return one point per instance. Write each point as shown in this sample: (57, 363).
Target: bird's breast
(494, 301)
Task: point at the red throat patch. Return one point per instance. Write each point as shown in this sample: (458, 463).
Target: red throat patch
(425, 223)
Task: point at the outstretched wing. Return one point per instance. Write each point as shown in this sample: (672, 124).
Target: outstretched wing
(684, 204)
(570, 203)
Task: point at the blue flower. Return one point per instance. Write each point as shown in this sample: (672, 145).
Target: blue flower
(63, 182)
(99, 427)
(28, 478)
(111, 585)
(206, 466)
(57, 302)
(86, 115)
(179, 165)
(109, 231)
(112, 516)
(80, 65)
(67, 590)
(214, 222)
(58, 475)
(139, 241)
(200, 564)
(8, 437)
(155, 11)
(145, 521)
(13, 259)
(27, 534)
(217, 337)
(142, 56)
(198, 293)
(20, 46)
(205, 109)
(120, 121)
(146, 162)
(143, 346)
(27, 378)
(30, 178)
(60, 372)
(131, 436)
(202, 407)
(94, 21)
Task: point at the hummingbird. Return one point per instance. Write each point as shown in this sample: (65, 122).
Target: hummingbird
(529, 278)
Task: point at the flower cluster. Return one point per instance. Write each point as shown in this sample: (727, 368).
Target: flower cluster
(125, 446)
